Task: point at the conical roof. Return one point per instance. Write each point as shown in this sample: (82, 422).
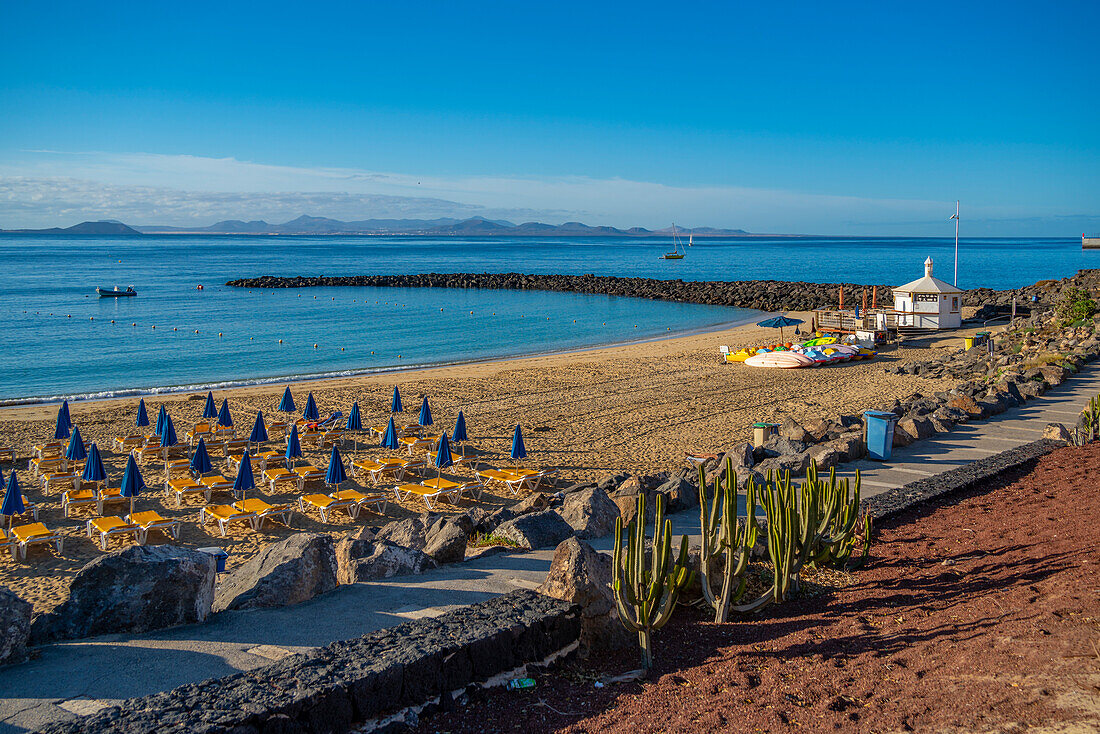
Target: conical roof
(927, 284)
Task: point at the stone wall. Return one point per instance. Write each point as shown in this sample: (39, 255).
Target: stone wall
(965, 477)
(345, 684)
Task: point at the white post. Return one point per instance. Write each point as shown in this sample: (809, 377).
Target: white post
(956, 218)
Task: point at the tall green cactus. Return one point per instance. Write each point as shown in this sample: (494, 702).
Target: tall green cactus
(722, 534)
(646, 593)
(1090, 416)
(813, 522)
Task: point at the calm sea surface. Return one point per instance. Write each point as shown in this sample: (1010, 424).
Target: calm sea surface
(59, 339)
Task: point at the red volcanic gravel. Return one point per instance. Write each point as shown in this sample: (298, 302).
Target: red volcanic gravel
(980, 613)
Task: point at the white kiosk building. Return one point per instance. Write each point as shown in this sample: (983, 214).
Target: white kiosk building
(928, 303)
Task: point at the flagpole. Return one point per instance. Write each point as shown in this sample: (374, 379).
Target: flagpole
(956, 218)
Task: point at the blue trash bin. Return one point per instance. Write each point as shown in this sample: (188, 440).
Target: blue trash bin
(878, 433)
(219, 556)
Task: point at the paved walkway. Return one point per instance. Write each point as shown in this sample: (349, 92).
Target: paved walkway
(81, 676)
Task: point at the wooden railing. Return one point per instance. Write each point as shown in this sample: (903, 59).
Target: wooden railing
(847, 321)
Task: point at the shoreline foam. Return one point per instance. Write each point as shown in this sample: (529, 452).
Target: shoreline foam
(231, 384)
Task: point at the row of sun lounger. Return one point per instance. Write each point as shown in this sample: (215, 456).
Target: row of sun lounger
(136, 525)
(251, 511)
(54, 472)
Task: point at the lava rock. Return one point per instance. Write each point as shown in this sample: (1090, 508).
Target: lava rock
(288, 572)
(849, 445)
(781, 446)
(441, 537)
(582, 576)
(796, 464)
(1057, 432)
(825, 457)
(538, 530)
(15, 626)
(382, 560)
(135, 589)
(792, 430)
(967, 404)
(917, 427)
(612, 481)
(590, 513)
(679, 494)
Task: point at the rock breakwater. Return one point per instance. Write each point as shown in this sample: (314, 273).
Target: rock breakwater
(765, 295)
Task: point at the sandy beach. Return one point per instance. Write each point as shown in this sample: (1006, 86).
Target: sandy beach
(634, 408)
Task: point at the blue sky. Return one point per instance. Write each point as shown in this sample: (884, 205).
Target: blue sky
(863, 118)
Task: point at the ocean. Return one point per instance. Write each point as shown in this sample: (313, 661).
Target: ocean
(61, 341)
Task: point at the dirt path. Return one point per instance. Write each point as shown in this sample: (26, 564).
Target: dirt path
(979, 616)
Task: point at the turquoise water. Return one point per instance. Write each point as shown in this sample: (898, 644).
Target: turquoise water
(58, 339)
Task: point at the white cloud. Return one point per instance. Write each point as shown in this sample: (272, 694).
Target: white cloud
(47, 188)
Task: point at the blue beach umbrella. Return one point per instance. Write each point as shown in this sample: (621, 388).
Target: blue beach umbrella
(65, 409)
(259, 429)
(168, 435)
(443, 455)
(335, 474)
(395, 405)
(311, 413)
(389, 439)
(355, 418)
(355, 422)
(76, 451)
(286, 405)
(244, 481)
(224, 419)
(778, 323)
(61, 430)
(459, 433)
(93, 467)
(208, 410)
(293, 447)
(519, 451)
(425, 413)
(142, 418)
(200, 460)
(132, 483)
(13, 500)
(162, 417)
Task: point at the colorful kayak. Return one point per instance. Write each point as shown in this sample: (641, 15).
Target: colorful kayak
(779, 360)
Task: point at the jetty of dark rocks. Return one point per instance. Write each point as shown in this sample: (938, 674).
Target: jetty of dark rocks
(765, 295)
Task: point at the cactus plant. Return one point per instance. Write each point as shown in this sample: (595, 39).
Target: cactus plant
(646, 592)
(814, 522)
(723, 535)
(1088, 423)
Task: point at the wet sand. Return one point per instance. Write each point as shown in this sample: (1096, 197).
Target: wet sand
(634, 408)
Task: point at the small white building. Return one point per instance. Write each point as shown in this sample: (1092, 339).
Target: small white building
(928, 303)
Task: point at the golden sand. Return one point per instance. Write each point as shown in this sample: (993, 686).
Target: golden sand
(635, 408)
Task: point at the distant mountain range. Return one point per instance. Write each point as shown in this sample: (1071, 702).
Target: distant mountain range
(103, 227)
(307, 225)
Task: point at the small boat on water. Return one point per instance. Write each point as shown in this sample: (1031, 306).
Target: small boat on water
(115, 292)
(678, 249)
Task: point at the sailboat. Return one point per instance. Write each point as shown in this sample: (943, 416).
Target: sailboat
(677, 246)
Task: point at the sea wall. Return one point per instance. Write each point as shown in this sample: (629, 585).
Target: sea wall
(765, 295)
(354, 683)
